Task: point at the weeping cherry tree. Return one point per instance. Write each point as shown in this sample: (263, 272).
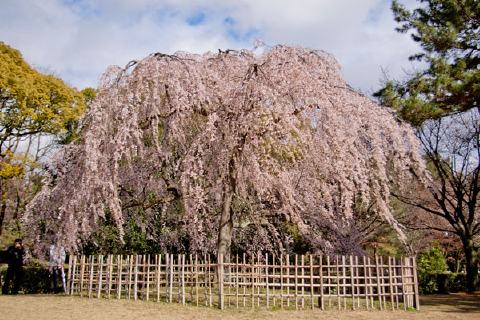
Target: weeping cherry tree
(250, 149)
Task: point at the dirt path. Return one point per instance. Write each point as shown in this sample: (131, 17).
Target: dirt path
(43, 307)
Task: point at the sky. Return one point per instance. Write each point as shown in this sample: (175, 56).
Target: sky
(77, 39)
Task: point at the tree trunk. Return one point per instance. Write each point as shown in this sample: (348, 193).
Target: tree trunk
(3, 208)
(226, 226)
(471, 261)
(224, 241)
(18, 201)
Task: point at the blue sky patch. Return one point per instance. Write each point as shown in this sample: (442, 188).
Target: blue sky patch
(239, 36)
(196, 19)
(236, 34)
(229, 21)
(376, 13)
(82, 8)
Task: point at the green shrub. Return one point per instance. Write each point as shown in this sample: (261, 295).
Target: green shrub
(106, 239)
(35, 279)
(431, 261)
(427, 283)
(433, 275)
(441, 282)
(458, 282)
(432, 268)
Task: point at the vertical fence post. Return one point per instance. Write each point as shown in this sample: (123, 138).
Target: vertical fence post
(107, 277)
(320, 300)
(90, 282)
(69, 275)
(404, 296)
(170, 281)
(167, 277)
(82, 274)
(110, 274)
(158, 267)
(119, 276)
(100, 276)
(287, 262)
(303, 280)
(191, 276)
(236, 280)
(357, 281)
(135, 279)
(183, 279)
(372, 283)
(378, 283)
(281, 281)
(415, 282)
(366, 280)
(390, 282)
(229, 278)
(147, 264)
(128, 272)
(210, 297)
(352, 282)
(243, 279)
(296, 282)
(74, 272)
(408, 279)
(344, 282)
(329, 282)
(338, 282)
(382, 279)
(179, 278)
(312, 302)
(253, 280)
(258, 276)
(196, 279)
(395, 280)
(266, 280)
(221, 302)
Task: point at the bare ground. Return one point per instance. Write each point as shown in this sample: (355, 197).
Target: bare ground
(43, 307)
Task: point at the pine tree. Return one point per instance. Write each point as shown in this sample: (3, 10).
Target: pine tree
(448, 31)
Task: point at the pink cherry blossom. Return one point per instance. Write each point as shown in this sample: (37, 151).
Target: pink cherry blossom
(241, 141)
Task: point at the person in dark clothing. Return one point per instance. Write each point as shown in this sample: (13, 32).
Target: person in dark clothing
(15, 257)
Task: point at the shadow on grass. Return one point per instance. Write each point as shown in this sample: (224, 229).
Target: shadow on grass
(458, 302)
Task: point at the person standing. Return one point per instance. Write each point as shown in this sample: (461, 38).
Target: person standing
(15, 258)
(56, 268)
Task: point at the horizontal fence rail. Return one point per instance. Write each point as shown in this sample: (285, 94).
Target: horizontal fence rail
(281, 282)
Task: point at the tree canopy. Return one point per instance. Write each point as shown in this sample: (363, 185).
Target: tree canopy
(448, 31)
(32, 105)
(224, 150)
(32, 102)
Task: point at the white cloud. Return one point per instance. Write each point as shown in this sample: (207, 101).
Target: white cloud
(78, 39)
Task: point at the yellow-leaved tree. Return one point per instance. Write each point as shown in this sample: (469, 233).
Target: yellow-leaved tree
(34, 108)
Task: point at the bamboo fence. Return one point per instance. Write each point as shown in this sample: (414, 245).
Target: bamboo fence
(281, 282)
